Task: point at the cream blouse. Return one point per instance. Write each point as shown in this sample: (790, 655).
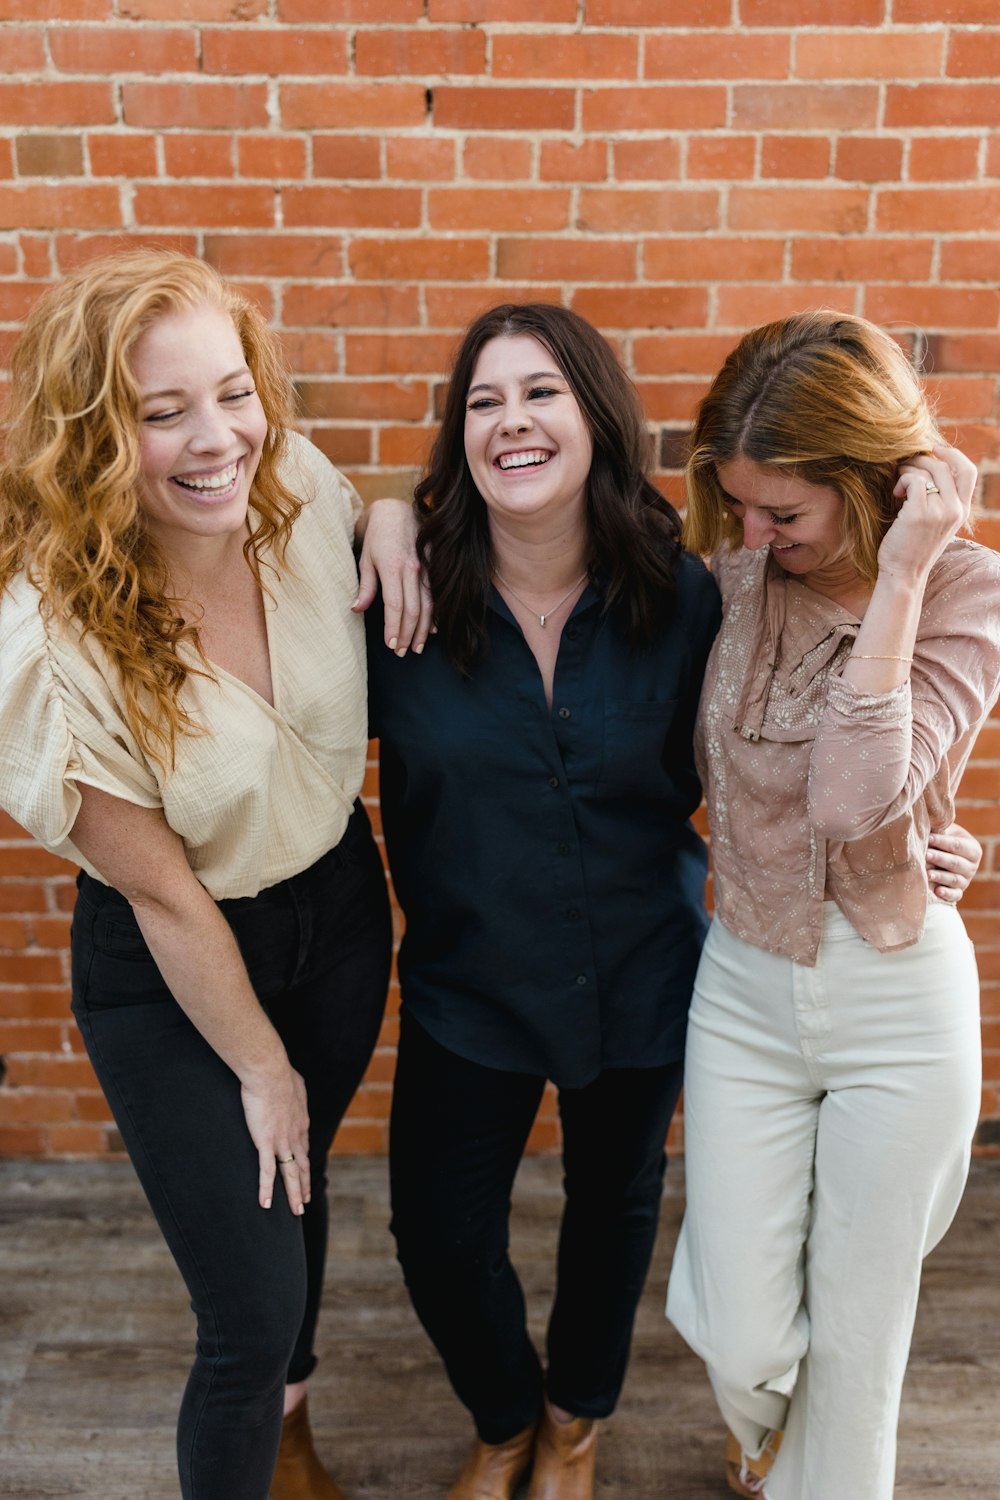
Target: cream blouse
(265, 791)
(816, 790)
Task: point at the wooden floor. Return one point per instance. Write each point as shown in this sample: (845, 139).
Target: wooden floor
(94, 1332)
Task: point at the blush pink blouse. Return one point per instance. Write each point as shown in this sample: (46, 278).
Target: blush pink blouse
(817, 791)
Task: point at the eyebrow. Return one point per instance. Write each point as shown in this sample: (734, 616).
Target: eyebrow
(179, 391)
(525, 380)
(774, 510)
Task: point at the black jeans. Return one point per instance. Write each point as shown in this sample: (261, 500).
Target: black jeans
(317, 951)
(458, 1133)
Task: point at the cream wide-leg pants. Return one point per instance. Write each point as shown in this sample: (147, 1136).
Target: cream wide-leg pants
(828, 1120)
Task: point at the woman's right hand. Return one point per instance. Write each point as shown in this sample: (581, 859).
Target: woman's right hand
(936, 490)
(277, 1117)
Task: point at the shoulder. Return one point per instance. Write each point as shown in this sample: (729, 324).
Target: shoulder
(737, 568)
(697, 589)
(311, 476)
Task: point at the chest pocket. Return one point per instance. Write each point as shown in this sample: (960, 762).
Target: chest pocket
(635, 737)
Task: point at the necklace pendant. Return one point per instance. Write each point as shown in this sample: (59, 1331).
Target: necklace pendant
(541, 620)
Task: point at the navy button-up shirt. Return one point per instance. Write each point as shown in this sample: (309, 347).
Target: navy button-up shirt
(552, 883)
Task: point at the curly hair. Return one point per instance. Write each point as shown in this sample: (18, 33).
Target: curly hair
(825, 396)
(70, 515)
(633, 532)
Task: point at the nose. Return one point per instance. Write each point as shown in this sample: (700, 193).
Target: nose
(758, 528)
(516, 418)
(211, 429)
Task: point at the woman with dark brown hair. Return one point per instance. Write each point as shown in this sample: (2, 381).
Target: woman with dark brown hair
(537, 786)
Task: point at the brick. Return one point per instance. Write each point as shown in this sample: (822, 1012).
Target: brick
(721, 258)
(964, 352)
(347, 156)
(671, 400)
(30, 1036)
(76, 1140)
(946, 159)
(189, 155)
(22, 895)
(503, 108)
(201, 105)
(17, 298)
(854, 55)
(743, 306)
(93, 1108)
(61, 1072)
(54, 205)
(36, 256)
(630, 210)
(249, 49)
(455, 307)
(419, 259)
(501, 10)
(481, 208)
(13, 933)
(6, 157)
(862, 259)
(497, 158)
(570, 161)
(347, 106)
(30, 968)
(114, 50)
(56, 10)
(803, 13)
(351, 207)
(34, 1107)
(680, 354)
(720, 157)
(583, 55)
(360, 1138)
(963, 399)
(215, 206)
(22, 1140)
(65, 103)
(970, 260)
(76, 249)
(869, 158)
(419, 158)
(350, 305)
(308, 351)
(420, 54)
(940, 12)
(50, 931)
(405, 447)
(656, 160)
(827, 106)
(122, 155)
(843, 210)
(565, 260)
(732, 54)
(937, 209)
(937, 104)
(190, 10)
(974, 54)
(657, 13)
(273, 157)
(642, 307)
(278, 254)
(649, 107)
(23, 48)
(345, 445)
(354, 400)
(397, 354)
(800, 156)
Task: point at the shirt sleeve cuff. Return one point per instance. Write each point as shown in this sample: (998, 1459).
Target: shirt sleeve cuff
(856, 704)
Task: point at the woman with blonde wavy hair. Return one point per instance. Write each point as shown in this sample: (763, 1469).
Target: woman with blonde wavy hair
(183, 714)
(832, 1071)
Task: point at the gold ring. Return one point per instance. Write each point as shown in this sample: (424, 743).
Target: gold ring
(284, 1160)
(932, 489)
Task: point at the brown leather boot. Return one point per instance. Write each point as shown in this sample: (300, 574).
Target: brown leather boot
(493, 1470)
(298, 1474)
(564, 1459)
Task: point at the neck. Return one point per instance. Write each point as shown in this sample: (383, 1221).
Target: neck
(543, 565)
(195, 564)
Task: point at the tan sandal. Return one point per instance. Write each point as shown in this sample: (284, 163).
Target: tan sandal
(745, 1475)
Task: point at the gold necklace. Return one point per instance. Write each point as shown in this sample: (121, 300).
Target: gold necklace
(540, 618)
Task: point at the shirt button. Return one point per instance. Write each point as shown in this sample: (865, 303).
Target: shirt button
(564, 713)
(563, 848)
(573, 915)
(581, 979)
(554, 782)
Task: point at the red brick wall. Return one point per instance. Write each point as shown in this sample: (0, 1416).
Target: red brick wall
(377, 171)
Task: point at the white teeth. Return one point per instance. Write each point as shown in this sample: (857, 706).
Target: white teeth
(211, 481)
(523, 460)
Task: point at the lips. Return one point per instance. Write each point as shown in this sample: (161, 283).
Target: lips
(526, 458)
(210, 486)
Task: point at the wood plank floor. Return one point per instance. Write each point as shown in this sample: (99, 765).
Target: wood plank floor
(95, 1330)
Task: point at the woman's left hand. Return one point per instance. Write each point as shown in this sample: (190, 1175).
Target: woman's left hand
(389, 556)
(953, 857)
(936, 490)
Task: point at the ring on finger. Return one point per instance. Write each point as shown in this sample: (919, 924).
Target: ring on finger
(284, 1160)
(931, 489)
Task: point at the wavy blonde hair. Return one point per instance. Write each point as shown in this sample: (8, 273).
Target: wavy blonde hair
(70, 513)
(825, 396)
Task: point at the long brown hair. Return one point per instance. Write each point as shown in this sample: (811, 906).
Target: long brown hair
(828, 397)
(633, 532)
(69, 485)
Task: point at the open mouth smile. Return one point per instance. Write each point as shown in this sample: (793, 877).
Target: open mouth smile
(530, 458)
(211, 485)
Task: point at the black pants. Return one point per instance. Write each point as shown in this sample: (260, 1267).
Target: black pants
(458, 1133)
(317, 952)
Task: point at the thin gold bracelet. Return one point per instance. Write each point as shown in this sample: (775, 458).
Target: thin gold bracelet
(854, 656)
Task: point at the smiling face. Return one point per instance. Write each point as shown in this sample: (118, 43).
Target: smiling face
(201, 427)
(526, 440)
(801, 523)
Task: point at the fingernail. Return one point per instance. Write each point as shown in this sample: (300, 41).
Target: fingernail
(392, 644)
(301, 1209)
(401, 651)
(417, 650)
(267, 1203)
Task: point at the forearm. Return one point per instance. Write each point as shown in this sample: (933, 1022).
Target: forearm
(883, 650)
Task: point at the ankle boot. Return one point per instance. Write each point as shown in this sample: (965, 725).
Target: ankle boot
(564, 1459)
(492, 1471)
(298, 1474)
